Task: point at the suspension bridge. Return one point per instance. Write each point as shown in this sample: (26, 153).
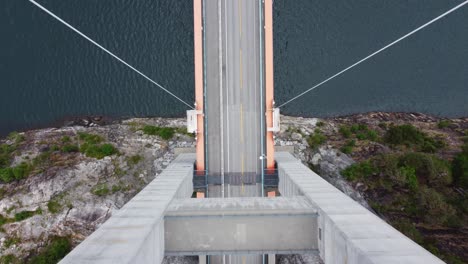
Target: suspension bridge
(234, 217)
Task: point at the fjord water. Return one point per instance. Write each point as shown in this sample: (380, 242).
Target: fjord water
(48, 72)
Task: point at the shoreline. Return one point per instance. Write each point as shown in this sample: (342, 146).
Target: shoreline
(105, 120)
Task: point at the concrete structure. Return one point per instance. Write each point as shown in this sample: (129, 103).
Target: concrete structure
(135, 234)
(348, 233)
(229, 226)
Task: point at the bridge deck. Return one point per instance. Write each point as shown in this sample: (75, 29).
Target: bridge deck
(233, 103)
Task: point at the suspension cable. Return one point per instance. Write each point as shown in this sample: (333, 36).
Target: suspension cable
(375, 53)
(108, 52)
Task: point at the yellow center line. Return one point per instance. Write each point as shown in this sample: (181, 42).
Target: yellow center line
(240, 69)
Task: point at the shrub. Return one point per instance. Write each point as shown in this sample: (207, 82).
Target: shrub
(5, 155)
(404, 135)
(408, 228)
(409, 135)
(409, 174)
(134, 160)
(436, 209)
(444, 124)
(57, 249)
(316, 140)
(24, 215)
(9, 259)
(428, 167)
(21, 171)
(68, 148)
(18, 172)
(348, 147)
(101, 190)
(98, 151)
(116, 188)
(164, 132)
(66, 139)
(320, 124)
(359, 170)
(6, 175)
(54, 206)
(90, 138)
(372, 135)
(345, 131)
(460, 169)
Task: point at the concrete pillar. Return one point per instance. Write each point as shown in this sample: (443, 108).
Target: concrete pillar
(271, 258)
(202, 259)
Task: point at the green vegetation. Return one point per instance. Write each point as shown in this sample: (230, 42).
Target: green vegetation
(134, 160)
(93, 147)
(348, 147)
(359, 171)
(316, 139)
(54, 205)
(460, 168)
(18, 172)
(9, 259)
(100, 190)
(69, 148)
(360, 131)
(10, 241)
(410, 136)
(26, 214)
(320, 124)
(57, 249)
(16, 137)
(444, 124)
(116, 188)
(414, 190)
(163, 132)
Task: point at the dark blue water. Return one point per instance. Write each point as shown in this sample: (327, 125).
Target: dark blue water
(48, 72)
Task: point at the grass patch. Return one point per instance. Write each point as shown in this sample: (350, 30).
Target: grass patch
(163, 132)
(17, 173)
(348, 147)
(57, 249)
(359, 171)
(460, 168)
(100, 190)
(134, 160)
(70, 148)
(316, 139)
(9, 259)
(54, 206)
(26, 214)
(444, 124)
(360, 131)
(320, 124)
(92, 146)
(410, 136)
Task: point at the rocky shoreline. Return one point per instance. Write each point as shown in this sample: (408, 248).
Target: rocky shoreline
(69, 192)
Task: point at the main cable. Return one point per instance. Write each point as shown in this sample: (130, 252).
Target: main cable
(376, 52)
(108, 52)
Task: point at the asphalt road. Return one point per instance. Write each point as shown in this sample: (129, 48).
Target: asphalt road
(233, 102)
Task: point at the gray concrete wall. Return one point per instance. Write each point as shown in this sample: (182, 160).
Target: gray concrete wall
(348, 232)
(218, 226)
(135, 233)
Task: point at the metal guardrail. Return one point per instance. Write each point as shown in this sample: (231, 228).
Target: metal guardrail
(201, 180)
